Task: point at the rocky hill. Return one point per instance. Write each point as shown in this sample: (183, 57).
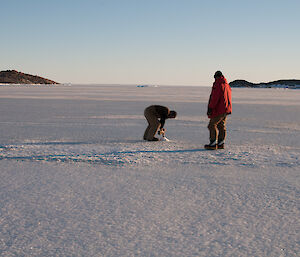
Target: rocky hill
(284, 83)
(16, 77)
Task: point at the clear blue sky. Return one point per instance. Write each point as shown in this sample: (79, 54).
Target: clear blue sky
(174, 42)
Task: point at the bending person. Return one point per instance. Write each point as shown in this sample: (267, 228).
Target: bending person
(156, 116)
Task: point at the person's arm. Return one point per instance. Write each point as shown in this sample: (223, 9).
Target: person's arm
(162, 122)
(163, 112)
(214, 96)
(209, 110)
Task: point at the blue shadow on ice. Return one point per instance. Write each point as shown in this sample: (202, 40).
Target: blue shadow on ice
(156, 151)
(92, 158)
(56, 143)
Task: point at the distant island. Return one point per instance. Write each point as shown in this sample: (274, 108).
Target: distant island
(284, 83)
(16, 77)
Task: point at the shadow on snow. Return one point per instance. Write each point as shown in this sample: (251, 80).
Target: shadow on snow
(93, 158)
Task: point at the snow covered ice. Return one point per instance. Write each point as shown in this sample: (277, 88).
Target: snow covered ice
(78, 180)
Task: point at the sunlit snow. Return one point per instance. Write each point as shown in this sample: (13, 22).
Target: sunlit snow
(78, 180)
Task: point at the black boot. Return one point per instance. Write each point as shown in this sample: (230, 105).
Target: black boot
(211, 146)
(153, 139)
(221, 145)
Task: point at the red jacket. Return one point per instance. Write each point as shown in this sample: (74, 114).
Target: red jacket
(220, 98)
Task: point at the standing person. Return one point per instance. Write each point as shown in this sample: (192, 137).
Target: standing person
(156, 116)
(219, 106)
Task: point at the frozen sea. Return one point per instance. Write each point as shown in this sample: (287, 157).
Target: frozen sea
(78, 180)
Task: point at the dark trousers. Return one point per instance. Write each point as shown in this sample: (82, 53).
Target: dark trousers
(217, 128)
(153, 123)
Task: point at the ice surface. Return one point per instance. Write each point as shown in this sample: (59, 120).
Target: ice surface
(78, 180)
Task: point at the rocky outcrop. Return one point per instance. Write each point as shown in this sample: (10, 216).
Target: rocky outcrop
(16, 77)
(284, 83)
(241, 83)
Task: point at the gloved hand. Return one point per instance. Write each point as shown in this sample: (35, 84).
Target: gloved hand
(161, 131)
(209, 111)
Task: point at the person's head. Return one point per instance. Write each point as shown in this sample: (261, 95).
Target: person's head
(172, 115)
(218, 74)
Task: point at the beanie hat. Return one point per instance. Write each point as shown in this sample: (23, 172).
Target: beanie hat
(218, 74)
